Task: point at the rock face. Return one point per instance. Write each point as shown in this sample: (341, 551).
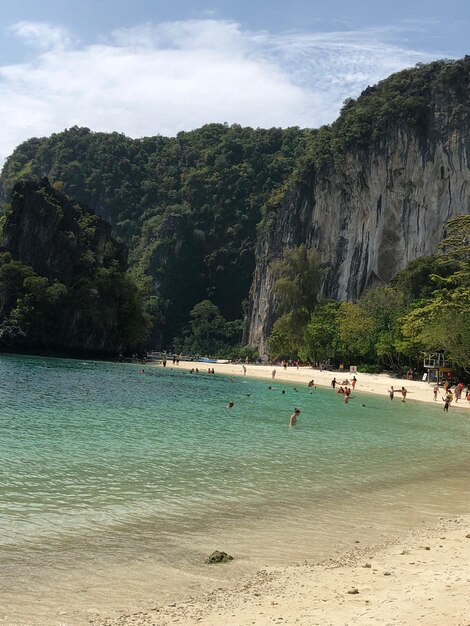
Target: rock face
(64, 286)
(47, 231)
(369, 215)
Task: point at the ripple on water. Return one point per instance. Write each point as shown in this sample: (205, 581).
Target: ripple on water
(95, 455)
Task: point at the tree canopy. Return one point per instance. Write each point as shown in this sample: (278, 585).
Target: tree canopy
(190, 207)
(425, 309)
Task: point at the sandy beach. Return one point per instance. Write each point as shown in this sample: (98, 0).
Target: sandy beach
(420, 578)
(417, 390)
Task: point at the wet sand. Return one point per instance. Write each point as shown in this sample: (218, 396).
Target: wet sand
(422, 577)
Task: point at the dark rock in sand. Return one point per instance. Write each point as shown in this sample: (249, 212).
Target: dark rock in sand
(219, 557)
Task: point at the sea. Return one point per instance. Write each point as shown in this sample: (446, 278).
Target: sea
(115, 485)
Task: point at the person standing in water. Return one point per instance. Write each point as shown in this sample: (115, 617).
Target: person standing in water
(391, 392)
(403, 394)
(293, 417)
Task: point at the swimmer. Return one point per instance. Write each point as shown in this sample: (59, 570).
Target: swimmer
(230, 404)
(293, 417)
(283, 391)
(403, 394)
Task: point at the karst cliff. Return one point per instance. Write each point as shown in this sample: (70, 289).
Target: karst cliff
(372, 208)
(204, 214)
(63, 286)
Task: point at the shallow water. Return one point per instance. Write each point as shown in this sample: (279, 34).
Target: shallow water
(110, 478)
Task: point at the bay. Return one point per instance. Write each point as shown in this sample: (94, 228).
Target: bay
(104, 468)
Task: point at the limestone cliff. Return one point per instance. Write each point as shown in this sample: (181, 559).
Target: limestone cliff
(53, 235)
(63, 285)
(370, 210)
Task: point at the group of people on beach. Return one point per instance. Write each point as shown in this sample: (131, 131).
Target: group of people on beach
(175, 358)
(195, 370)
(345, 389)
(450, 395)
(345, 392)
(345, 382)
(403, 391)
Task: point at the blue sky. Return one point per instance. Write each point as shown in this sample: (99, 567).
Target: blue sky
(145, 67)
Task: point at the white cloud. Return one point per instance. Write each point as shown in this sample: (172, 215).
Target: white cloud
(179, 75)
(41, 35)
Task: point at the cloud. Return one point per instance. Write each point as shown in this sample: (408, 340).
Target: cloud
(41, 35)
(160, 79)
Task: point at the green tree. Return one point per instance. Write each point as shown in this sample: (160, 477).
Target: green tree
(298, 280)
(207, 326)
(283, 341)
(441, 321)
(297, 288)
(321, 338)
(38, 312)
(356, 328)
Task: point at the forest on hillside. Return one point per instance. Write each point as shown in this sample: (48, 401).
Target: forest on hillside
(189, 208)
(186, 207)
(426, 308)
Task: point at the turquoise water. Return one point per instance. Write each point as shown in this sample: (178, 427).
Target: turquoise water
(100, 462)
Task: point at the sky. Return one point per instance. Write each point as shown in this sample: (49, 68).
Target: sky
(148, 67)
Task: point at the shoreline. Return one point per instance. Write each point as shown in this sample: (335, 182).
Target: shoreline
(418, 577)
(377, 384)
(137, 587)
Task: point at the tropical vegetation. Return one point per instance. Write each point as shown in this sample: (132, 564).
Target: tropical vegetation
(190, 209)
(426, 308)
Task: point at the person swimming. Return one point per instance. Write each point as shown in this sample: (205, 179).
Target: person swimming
(230, 404)
(293, 417)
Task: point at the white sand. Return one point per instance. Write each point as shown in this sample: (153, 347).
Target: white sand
(369, 383)
(422, 578)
